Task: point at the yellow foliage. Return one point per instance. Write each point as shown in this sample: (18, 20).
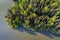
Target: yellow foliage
(13, 11)
(58, 12)
(45, 9)
(33, 14)
(24, 12)
(42, 1)
(54, 4)
(51, 21)
(53, 18)
(30, 5)
(20, 5)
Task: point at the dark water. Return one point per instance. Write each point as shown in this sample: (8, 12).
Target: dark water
(9, 34)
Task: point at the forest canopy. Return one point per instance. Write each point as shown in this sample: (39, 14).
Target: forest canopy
(35, 14)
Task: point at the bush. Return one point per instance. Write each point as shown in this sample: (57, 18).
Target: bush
(35, 14)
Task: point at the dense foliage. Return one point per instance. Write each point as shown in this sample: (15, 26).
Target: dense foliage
(35, 14)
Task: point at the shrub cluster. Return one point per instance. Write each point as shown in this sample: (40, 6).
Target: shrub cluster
(35, 14)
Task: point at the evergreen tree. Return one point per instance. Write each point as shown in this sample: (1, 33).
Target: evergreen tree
(35, 14)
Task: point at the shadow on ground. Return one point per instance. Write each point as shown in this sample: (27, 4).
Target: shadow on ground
(47, 33)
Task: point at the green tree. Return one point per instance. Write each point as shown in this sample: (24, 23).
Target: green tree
(35, 14)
